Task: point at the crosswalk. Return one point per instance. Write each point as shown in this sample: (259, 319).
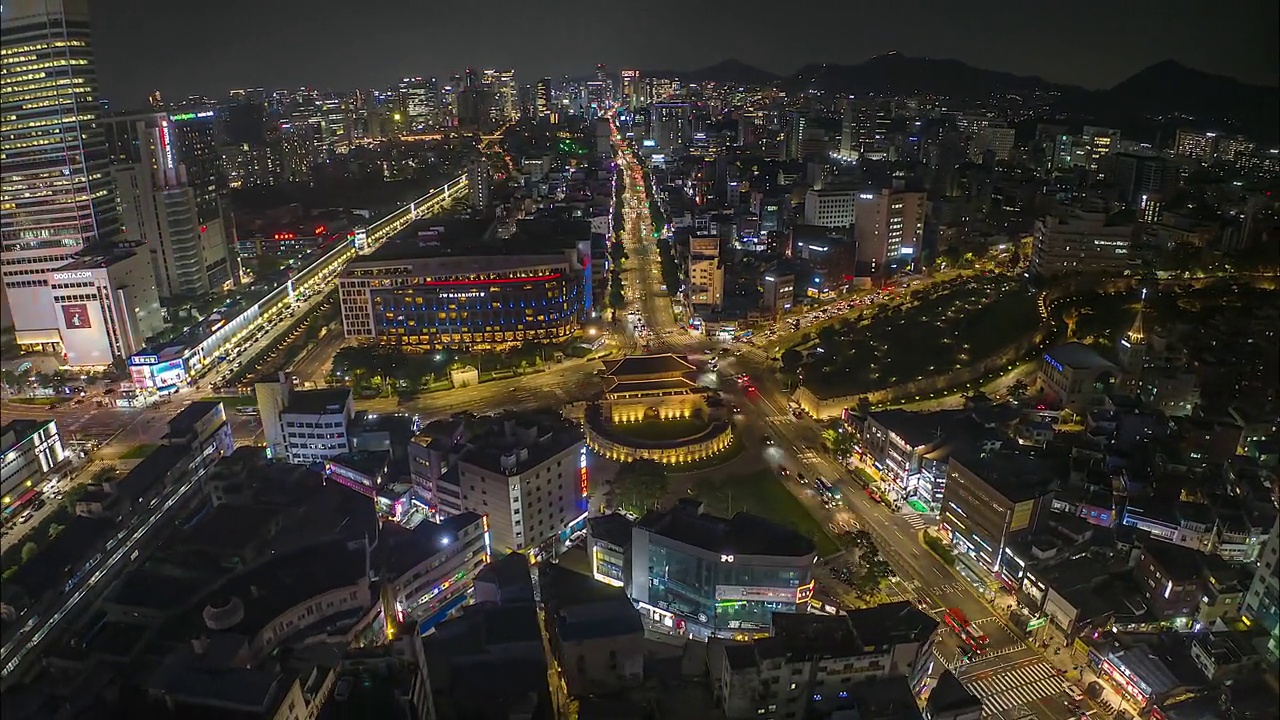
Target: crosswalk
(1010, 688)
(917, 521)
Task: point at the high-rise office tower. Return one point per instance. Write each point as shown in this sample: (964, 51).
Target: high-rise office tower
(888, 228)
(542, 99)
(671, 125)
(416, 101)
(793, 127)
(55, 189)
(1099, 142)
(502, 85)
(631, 88)
(165, 170)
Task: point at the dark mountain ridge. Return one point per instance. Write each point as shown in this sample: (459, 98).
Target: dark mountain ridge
(1166, 93)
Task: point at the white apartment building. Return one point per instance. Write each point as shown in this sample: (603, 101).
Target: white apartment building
(313, 424)
(705, 272)
(528, 473)
(1081, 242)
(829, 208)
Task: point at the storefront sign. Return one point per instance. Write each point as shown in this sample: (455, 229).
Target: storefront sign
(760, 594)
(144, 359)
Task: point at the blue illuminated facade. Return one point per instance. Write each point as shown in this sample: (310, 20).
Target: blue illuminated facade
(488, 310)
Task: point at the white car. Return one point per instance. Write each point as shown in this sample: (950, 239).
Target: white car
(1073, 691)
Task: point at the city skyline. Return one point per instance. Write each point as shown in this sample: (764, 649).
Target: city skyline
(283, 45)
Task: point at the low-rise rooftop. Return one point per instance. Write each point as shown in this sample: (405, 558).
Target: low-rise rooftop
(743, 534)
(323, 401)
(1017, 474)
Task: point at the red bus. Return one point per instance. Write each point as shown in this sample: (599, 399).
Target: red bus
(967, 631)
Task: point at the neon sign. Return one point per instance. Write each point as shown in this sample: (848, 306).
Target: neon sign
(182, 117)
(167, 144)
(804, 593)
(539, 278)
(582, 472)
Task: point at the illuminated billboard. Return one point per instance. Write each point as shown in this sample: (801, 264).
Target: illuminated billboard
(75, 316)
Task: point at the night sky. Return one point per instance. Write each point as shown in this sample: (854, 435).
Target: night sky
(208, 47)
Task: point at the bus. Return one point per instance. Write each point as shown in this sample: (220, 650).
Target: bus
(826, 491)
(967, 631)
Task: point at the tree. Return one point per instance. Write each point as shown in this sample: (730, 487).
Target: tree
(54, 529)
(264, 266)
(11, 380)
(29, 551)
(638, 486)
(1019, 389)
(791, 359)
(864, 406)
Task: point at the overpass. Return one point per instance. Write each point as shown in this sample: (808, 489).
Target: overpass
(315, 277)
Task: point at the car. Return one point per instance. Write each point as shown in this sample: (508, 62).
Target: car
(343, 690)
(1073, 691)
(784, 471)
(768, 440)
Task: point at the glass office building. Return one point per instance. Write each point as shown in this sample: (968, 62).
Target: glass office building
(703, 575)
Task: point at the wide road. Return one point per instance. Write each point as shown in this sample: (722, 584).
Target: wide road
(1013, 680)
(642, 274)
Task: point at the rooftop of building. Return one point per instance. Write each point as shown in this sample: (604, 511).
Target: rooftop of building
(322, 401)
(516, 441)
(273, 586)
(22, 430)
(1078, 356)
(614, 528)
(1160, 662)
(47, 569)
(400, 549)
(488, 641)
(616, 386)
(510, 574)
(950, 695)
(743, 534)
(97, 259)
(802, 636)
(918, 429)
(369, 463)
(184, 423)
(892, 624)
(647, 365)
(152, 469)
(580, 608)
(1018, 474)
(1179, 564)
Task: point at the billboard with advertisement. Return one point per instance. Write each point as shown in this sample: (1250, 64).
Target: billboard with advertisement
(75, 316)
(759, 594)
